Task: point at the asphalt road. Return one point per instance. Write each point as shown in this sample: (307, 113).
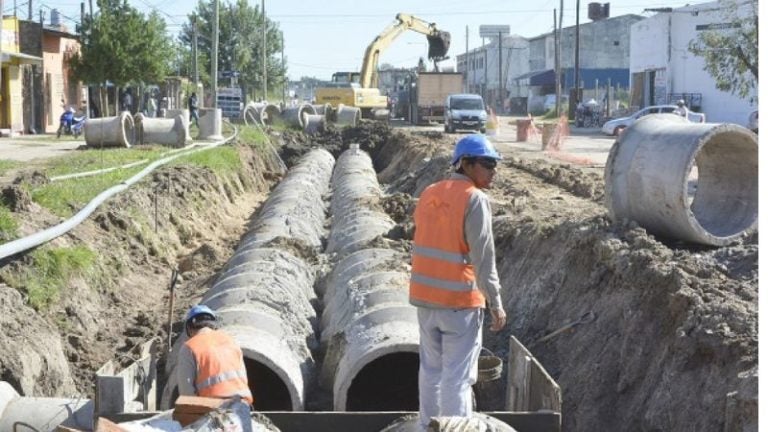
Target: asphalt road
(29, 147)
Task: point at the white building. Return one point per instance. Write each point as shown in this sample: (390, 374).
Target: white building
(663, 70)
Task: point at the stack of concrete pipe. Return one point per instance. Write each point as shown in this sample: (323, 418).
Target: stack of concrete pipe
(115, 131)
(647, 179)
(296, 116)
(173, 132)
(367, 316)
(264, 295)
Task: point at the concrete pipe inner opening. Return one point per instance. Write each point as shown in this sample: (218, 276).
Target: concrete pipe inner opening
(269, 391)
(389, 383)
(725, 199)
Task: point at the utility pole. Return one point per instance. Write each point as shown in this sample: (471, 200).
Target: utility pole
(576, 62)
(501, 84)
(29, 10)
(466, 60)
(557, 64)
(282, 62)
(264, 49)
(196, 74)
(215, 56)
(485, 70)
(560, 60)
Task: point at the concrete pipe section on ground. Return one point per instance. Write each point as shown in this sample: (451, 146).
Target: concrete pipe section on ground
(20, 413)
(648, 179)
(296, 116)
(115, 131)
(261, 114)
(171, 132)
(314, 123)
(370, 332)
(265, 294)
(210, 124)
(347, 116)
(325, 110)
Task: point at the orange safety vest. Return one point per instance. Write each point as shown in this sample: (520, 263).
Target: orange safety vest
(220, 369)
(442, 276)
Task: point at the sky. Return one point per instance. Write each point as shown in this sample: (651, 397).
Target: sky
(322, 37)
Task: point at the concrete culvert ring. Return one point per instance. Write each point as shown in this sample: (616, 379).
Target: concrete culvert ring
(647, 179)
(388, 383)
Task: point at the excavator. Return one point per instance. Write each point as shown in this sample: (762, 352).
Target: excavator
(360, 89)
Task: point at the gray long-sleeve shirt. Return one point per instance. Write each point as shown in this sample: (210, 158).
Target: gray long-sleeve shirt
(478, 233)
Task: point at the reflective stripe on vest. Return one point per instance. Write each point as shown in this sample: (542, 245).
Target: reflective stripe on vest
(442, 274)
(220, 371)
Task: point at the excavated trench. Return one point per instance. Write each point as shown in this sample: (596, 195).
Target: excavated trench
(673, 345)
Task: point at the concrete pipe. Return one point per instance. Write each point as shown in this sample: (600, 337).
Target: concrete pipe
(165, 131)
(294, 116)
(19, 413)
(369, 333)
(210, 124)
(325, 110)
(347, 116)
(184, 113)
(314, 123)
(265, 294)
(252, 114)
(356, 215)
(115, 131)
(270, 113)
(648, 179)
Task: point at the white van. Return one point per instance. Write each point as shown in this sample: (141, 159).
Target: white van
(464, 111)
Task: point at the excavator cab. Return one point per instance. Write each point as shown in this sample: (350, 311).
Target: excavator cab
(439, 43)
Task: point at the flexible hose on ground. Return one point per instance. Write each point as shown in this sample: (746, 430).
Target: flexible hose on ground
(25, 243)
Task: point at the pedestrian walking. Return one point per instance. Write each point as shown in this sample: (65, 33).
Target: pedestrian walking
(210, 363)
(453, 276)
(193, 109)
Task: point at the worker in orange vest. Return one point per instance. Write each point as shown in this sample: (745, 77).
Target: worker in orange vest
(210, 363)
(454, 274)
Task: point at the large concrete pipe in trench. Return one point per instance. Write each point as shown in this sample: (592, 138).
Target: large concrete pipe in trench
(648, 179)
(356, 214)
(19, 413)
(370, 332)
(265, 294)
(115, 131)
(171, 132)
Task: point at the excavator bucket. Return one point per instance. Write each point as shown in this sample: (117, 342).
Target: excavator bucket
(438, 45)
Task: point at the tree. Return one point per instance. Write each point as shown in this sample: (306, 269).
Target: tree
(121, 45)
(730, 53)
(240, 44)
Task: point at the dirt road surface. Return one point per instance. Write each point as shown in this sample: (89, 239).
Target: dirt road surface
(27, 148)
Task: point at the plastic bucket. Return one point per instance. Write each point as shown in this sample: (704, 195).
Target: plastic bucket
(489, 367)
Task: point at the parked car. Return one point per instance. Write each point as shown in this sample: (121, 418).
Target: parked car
(464, 111)
(615, 126)
(752, 123)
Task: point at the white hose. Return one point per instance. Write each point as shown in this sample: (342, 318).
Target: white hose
(22, 244)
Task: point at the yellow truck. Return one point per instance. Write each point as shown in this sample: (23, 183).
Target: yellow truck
(360, 89)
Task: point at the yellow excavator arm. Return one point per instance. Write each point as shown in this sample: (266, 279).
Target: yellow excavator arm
(439, 42)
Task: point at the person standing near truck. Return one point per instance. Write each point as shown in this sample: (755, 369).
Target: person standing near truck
(453, 276)
(210, 363)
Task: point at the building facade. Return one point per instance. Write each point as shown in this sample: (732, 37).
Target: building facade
(664, 70)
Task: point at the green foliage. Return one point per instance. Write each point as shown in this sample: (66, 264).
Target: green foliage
(6, 165)
(221, 160)
(253, 136)
(66, 197)
(730, 54)
(51, 271)
(8, 225)
(121, 45)
(94, 159)
(240, 44)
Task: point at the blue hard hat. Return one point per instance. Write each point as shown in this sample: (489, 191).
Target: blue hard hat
(198, 310)
(475, 145)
